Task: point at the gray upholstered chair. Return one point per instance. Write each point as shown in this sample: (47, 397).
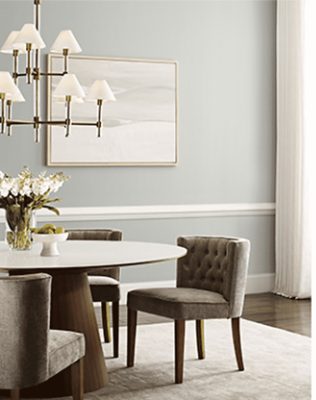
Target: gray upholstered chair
(211, 281)
(31, 353)
(104, 284)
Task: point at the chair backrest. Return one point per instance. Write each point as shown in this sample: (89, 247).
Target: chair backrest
(218, 264)
(98, 234)
(24, 329)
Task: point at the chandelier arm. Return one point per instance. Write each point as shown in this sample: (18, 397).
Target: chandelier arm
(18, 75)
(9, 114)
(36, 96)
(81, 123)
(15, 65)
(99, 122)
(53, 73)
(36, 77)
(37, 4)
(2, 118)
(28, 62)
(18, 122)
(51, 122)
(68, 115)
(57, 122)
(65, 54)
(28, 122)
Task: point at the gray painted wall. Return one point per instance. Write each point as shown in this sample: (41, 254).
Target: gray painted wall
(226, 55)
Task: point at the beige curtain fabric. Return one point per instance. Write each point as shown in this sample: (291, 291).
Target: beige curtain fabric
(293, 235)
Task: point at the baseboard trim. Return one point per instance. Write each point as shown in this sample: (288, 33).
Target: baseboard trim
(75, 214)
(257, 283)
(260, 283)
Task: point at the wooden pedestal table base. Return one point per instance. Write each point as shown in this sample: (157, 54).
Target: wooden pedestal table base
(72, 309)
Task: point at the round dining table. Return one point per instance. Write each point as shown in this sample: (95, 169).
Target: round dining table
(71, 302)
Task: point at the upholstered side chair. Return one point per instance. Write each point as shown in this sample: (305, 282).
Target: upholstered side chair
(104, 283)
(30, 352)
(211, 282)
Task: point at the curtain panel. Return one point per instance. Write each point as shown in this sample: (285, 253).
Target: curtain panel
(293, 228)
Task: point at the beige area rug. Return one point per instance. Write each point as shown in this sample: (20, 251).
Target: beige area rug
(277, 365)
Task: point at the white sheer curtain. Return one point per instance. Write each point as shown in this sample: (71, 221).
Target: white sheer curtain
(294, 144)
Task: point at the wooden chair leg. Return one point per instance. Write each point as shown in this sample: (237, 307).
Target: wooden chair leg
(179, 349)
(76, 371)
(116, 324)
(237, 342)
(200, 339)
(15, 394)
(131, 336)
(106, 321)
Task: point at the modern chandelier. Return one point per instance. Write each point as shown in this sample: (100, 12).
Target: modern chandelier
(29, 42)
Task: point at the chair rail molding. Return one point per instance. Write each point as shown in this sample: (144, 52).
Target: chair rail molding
(154, 212)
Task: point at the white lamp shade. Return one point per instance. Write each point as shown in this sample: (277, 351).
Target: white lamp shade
(29, 34)
(100, 90)
(6, 82)
(9, 44)
(69, 86)
(9, 88)
(16, 96)
(65, 40)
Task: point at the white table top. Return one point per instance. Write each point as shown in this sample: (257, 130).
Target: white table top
(86, 254)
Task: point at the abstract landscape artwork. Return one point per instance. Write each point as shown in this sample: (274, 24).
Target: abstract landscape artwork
(140, 128)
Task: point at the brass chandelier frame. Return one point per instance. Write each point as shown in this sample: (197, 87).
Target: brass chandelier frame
(33, 75)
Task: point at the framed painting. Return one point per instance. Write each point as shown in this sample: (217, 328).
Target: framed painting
(139, 129)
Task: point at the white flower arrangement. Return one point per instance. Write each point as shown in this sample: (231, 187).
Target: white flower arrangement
(28, 191)
(20, 196)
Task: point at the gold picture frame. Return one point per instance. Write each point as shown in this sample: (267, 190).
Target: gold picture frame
(145, 89)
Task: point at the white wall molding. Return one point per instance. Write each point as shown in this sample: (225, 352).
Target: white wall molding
(256, 283)
(155, 212)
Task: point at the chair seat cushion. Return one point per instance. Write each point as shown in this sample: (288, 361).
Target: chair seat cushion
(64, 348)
(179, 303)
(104, 288)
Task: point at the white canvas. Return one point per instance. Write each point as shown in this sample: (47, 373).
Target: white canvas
(140, 128)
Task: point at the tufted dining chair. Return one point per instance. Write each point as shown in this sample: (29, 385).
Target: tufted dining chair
(211, 281)
(104, 283)
(30, 352)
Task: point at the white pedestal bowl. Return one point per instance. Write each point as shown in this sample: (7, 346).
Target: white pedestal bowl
(50, 242)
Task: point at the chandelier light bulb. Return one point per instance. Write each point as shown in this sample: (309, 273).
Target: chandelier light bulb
(66, 41)
(29, 34)
(9, 45)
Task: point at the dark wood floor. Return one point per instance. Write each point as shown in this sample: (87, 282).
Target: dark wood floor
(266, 308)
(280, 312)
